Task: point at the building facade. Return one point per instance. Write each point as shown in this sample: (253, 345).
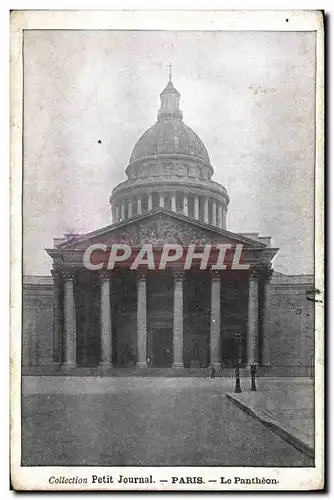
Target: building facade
(173, 318)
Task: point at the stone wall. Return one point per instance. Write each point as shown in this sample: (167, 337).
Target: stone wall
(291, 311)
(37, 321)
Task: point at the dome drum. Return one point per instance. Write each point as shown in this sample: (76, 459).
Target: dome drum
(139, 187)
(203, 208)
(136, 198)
(169, 165)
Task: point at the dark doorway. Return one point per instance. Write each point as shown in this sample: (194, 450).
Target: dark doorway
(162, 347)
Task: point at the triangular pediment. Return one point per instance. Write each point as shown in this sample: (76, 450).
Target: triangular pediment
(160, 227)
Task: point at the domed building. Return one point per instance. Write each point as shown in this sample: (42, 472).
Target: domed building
(170, 168)
(211, 303)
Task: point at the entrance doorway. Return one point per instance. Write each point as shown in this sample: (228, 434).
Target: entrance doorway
(162, 347)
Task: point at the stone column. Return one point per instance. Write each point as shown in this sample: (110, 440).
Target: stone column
(141, 321)
(86, 330)
(178, 321)
(122, 210)
(265, 318)
(185, 204)
(117, 213)
(215, 320)
(224, 217)
(253, 317)
(57, 316)
(130, 209)
(161, 200)
(173, 202)
(220, 215)
(138, 205)
(149, 202)
(196, 207)
(214, 216)
(105, 321)
(70, 342)
(206, 210)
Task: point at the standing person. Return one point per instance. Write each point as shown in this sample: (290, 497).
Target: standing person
(212, 371)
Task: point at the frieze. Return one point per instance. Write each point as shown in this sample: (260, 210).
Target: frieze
(161, 231)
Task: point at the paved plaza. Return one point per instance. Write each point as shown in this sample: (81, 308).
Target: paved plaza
(289, 413)
(148, 421)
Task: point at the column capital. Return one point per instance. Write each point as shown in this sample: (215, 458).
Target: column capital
(68, 275)
(266, 273)
(56, 274)
(178, 275)
(215, 274)
(254, 272)
(104, 274)
(141, 275)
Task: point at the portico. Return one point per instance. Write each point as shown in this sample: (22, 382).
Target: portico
(151, 318)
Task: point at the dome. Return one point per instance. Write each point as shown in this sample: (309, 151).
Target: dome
(169, 137)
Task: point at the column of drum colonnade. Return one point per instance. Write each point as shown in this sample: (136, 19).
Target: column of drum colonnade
(218, 217)
(64, 281)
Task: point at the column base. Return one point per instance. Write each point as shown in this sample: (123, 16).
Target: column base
(68, 366)
(251, 361)
(177, 364)
(141, 364)
(217, 366)
(105, 364)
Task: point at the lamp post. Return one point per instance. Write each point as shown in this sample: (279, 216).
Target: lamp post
(237, 339)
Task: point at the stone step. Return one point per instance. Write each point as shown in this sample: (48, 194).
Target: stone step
(129, 372)
(79, 371)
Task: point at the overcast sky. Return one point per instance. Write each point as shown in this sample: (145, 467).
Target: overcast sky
(250, 96)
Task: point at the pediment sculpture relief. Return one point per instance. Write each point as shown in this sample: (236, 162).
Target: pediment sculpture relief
(159, 231)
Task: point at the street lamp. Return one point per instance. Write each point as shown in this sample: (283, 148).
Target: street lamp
(237, 340)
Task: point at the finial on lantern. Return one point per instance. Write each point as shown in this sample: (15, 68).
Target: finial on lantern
(169, 66)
